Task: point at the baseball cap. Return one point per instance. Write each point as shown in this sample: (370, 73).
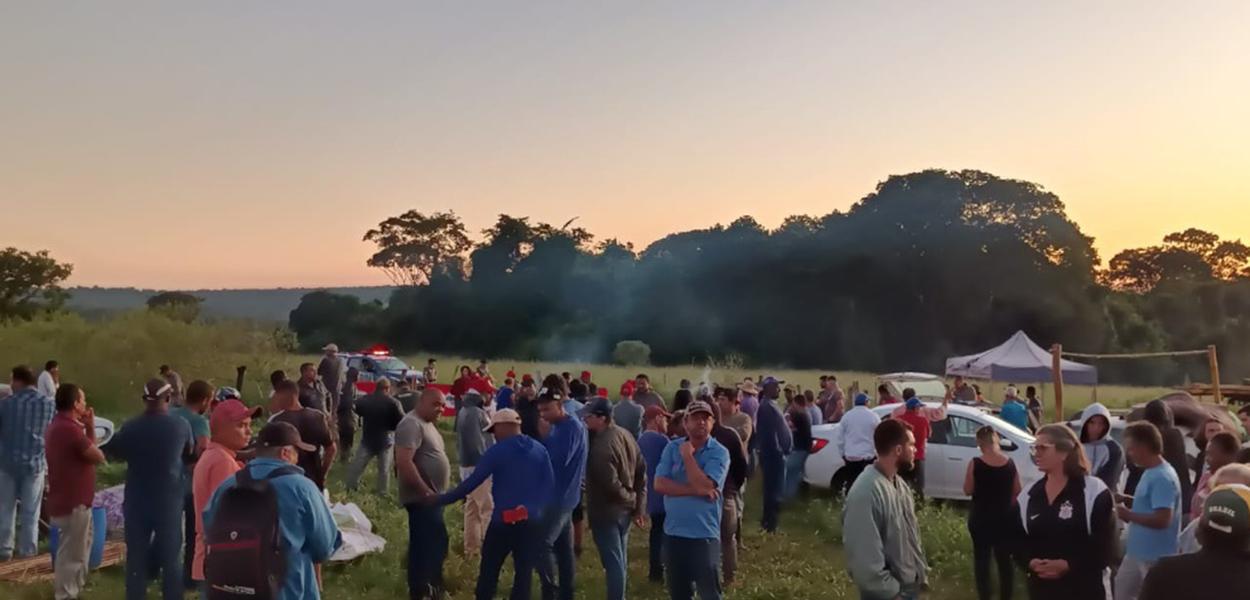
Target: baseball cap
(156, 389)
(278, 434)
(861, 399)
(585, 374)
(226, 392)
(699, 406)
(506, 415)
(330, 348)
(232, 411)
(771, 379)
(914, 403)
(655, 410)
(598, 407)
(1227, 512)
(527, 378)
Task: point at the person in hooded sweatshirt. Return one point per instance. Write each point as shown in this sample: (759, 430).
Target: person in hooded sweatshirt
(1160, 415)
(1106, 457)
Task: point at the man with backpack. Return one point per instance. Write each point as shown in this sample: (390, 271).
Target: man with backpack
(268, 509)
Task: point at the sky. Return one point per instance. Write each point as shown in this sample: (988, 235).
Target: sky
(251, 144)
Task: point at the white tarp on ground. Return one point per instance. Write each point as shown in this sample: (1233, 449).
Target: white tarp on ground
(1018, 360)
(358, 536)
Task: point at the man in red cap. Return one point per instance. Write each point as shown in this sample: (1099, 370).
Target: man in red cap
(627, 413)
(231, 427)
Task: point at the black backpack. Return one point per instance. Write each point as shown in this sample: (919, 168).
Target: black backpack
(244, 556)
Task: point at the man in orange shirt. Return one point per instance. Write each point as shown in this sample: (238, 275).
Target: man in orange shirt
(231, 427)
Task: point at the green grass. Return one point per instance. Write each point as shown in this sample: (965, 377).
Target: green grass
(804, 560)
(112, 358)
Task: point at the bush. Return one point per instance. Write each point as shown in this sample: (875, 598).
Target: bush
(631, 352)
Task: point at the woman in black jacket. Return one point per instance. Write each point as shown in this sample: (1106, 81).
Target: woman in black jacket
(1066, 523)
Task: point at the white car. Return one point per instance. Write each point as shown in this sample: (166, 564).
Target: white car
(951, 445)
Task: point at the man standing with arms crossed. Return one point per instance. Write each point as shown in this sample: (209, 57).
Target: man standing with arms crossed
(690, 476)
(424, 472)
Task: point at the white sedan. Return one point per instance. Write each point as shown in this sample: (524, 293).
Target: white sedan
(952, 444)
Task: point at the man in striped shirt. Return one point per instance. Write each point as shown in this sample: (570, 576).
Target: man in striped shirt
(24, 417)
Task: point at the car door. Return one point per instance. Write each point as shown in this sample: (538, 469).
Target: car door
(935, 484)
(960, 447)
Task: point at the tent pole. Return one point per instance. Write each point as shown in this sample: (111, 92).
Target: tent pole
(1056, 368)
(1214, 363)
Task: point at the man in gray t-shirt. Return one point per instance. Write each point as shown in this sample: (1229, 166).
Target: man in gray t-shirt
(424, 472)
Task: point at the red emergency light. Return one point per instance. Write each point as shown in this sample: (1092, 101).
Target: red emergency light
(377, 350)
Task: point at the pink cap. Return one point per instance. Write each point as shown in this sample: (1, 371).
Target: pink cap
(232, 411)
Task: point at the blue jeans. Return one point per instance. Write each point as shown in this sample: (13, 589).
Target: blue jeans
(693, 564)
(427, 549)
(522, 542)
(794, 473)
(27, 490)
(153, 536)
(773, 469)
(556, 552)
(612, 540)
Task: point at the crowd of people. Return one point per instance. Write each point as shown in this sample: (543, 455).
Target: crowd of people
(541, 461)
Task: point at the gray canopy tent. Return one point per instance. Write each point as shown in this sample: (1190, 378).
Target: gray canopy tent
(1019, 360)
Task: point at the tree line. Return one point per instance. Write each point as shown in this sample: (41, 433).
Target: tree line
(928, 265)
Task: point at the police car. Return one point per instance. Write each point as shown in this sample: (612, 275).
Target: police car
(376, 362)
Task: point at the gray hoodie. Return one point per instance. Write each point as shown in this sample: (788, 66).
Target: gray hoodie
(1106, 458)
(471, 437)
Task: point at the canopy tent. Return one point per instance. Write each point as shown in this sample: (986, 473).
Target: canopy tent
(1019, 360)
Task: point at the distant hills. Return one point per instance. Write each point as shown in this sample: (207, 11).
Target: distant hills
(258, 304)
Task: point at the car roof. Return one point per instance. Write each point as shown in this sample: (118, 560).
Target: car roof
(909, 376)
(961, 410)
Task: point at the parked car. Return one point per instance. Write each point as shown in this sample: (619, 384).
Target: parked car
(374, 364)
(927, 385)
(951, 445)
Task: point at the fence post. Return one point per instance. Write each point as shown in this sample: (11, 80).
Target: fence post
(1056, 367)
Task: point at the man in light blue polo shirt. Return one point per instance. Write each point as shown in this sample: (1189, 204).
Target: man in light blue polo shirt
(690, 475)
(1154, 517)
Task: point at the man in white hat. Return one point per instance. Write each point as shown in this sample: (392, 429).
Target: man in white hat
(521, 487)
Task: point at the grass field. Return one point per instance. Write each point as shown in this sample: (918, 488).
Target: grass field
(113, 358)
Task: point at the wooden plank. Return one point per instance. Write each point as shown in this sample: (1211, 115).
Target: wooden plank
(39, 568)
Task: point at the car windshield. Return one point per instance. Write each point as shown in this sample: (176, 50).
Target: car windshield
(390, 363)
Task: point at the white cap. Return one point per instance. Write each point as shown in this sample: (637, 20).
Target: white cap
(506, 415)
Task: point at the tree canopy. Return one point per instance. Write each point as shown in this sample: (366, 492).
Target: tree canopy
(927, 265)
(30, 283)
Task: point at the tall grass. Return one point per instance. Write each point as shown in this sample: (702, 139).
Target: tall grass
(113, 357)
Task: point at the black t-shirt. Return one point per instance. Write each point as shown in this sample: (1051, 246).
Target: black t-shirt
(379, 414)
(801, 423)
(313, 429)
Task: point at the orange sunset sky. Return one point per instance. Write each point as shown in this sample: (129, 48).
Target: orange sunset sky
(251, 144)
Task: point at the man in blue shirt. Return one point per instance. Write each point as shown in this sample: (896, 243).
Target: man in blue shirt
(521, 485)
(306, 528)
(774, 441)
(24, 417)
(155, 446)
(1014, 411)
(690, 476)
(567, 445)
(1154, 516)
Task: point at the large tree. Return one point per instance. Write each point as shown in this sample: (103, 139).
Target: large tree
(413, 247)
(179, 306)
(30, 283)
